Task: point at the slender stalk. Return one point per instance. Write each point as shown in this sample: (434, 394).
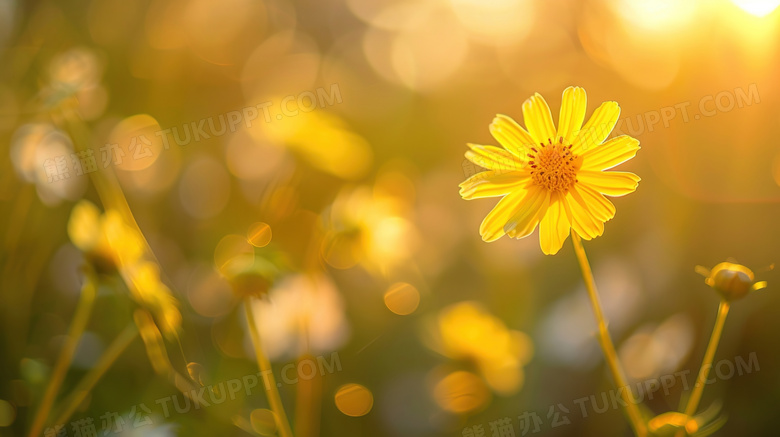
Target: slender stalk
(709, 355)
(274, 398)
(77, 325)
(610, 356)
(87, 383)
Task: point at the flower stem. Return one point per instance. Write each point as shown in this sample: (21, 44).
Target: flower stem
(634, 416)
(308, 405)
(88, 382)
(77, 325)
(274, 399)
(709, 355)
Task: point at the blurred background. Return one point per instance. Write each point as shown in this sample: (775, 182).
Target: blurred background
(310, 152)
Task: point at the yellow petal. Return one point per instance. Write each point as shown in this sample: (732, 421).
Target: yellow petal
(758, 286)
(538, 119)
(84, 225)
(597, 129)
(492, 184)
(554, 227)
(601, 208)
(582, 220)
(123, 241)
(572, 114)
(492, 227)
(493, 158)
(531, 209)
(615, 151)
(511, 136)
(611, 183)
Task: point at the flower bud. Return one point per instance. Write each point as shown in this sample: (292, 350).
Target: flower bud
(732, 281)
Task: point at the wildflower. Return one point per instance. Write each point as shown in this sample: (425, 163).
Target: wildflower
(370, 228)
(107, 242)
(468, 332)
(301, 313)
(732, 281)
(113, 246)
(555, 179)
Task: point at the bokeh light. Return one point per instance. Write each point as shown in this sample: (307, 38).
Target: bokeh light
(402, 298)
(354, 400)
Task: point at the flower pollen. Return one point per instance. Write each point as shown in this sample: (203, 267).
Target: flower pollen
(554, 166)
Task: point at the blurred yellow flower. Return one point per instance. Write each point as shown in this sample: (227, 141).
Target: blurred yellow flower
(369, 228)
(465, 331)
(348, 155)
(111, 245)
(552, 178)
(104, 238)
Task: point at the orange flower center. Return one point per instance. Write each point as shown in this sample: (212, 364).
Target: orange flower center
(553, 166)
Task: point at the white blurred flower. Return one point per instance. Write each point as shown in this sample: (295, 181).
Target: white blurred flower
(43, 155)
(301, 314)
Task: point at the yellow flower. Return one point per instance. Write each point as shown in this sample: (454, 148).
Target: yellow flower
(368, 227)
(555, 179)
(466, 331)
(114, 246)
(104, 238)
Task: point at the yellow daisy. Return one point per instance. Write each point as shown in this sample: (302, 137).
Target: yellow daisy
(555, 179)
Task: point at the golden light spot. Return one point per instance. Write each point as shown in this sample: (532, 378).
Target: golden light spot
(421, 52)
(263, 421)
(392, 239)
(759, 8)
(655, 15)
(402, 298)
(233, 254)
(157, 178)
(259, 234)
(354, 400)
(138, 141)
(461, 392)
(7, 413)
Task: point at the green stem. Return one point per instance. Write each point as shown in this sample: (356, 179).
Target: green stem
(77, 326)
(88, 382)
(274, 399)
(634, 415)
(709, 355)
